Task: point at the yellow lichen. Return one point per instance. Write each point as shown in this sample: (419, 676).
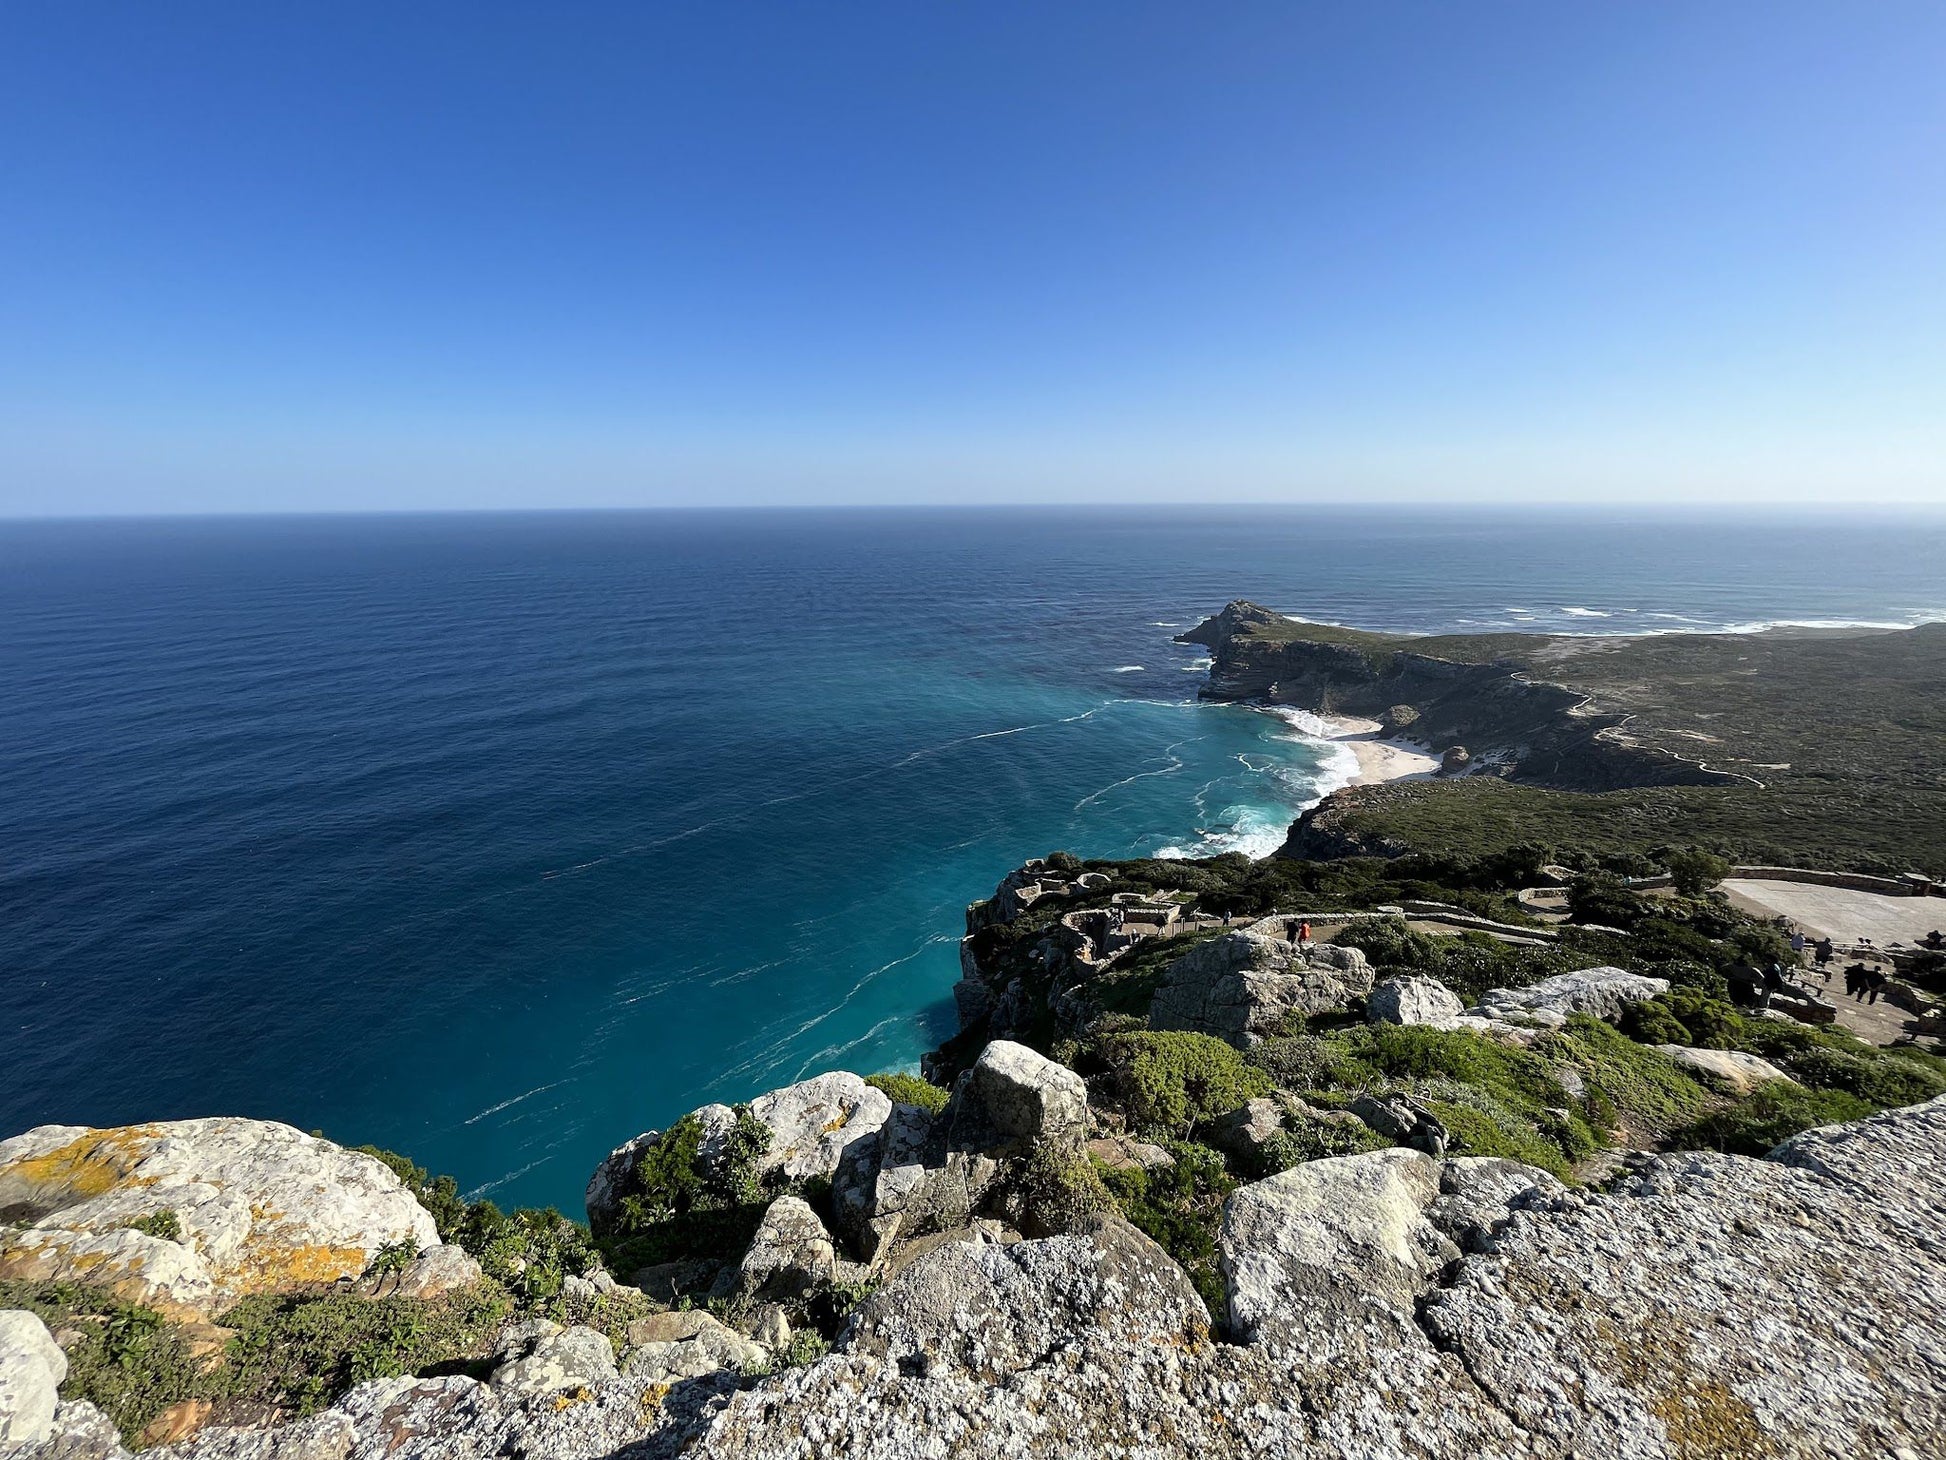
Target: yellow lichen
(580, 1395)
(88, 1166)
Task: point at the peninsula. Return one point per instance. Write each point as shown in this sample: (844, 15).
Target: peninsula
(1465, 1127)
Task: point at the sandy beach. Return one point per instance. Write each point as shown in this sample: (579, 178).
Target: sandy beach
(1378, 760)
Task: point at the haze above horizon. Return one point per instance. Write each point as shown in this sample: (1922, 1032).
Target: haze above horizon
(313, 258)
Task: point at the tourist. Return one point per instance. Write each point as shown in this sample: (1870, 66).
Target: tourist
(1797, 946)
(1935, 939)
(1875, 981)
(1773, 983)
(1304, 933)
(1851, 980)
(1824, 951)
(1744, 982)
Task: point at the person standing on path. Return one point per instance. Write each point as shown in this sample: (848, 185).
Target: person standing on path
(1304, 933)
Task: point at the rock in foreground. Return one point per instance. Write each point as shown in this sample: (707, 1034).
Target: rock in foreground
(187, 1216)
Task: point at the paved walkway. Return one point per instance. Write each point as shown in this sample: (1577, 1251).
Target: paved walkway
(1838, 913)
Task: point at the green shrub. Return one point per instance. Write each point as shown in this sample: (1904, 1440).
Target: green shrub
(164, 1224)
(1304, 1139)
(1054, 1192)
(679, 1204)
(1168, 1082)
(1884, 1080)
(911, 1090)
(1181, 1208)
(1775, 1111)
(1692, 871)
(1293, 1064)
(1685, 1016)
(1626, 1084)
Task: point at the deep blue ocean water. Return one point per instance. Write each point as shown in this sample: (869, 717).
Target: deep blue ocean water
(497, 839)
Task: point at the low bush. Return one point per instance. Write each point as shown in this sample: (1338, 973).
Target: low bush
(1181, 1208)
(1775, 1111)
(911, 1090)
(1054, 1192)
(682, 1202)
(1168, 1082)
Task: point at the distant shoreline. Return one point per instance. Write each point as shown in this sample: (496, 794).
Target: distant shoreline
(1378, 759)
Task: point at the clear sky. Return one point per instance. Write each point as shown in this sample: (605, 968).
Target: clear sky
(347, 256)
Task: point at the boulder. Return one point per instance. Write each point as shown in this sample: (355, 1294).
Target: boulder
(1245, 1133)
(1399, 1118)
(1124, 1153)
(1241, 986)
(1739, 1072)
(790, 1255)
(1414, 999)
(32, 1367)
(1456, 760)
(447, 1268)
(988, 1311)
(547, 1363)
(1015, 1100)
(670, 1282)
(1397, 719)
(1478, 1195)
(669, 1347)
(254, 1207)
(1602, 992)
(1329, 1257)
(811, 1124)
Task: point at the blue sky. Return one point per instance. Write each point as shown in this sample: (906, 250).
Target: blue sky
(300, 257)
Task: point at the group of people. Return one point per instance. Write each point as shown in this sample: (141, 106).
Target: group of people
(1863, 981)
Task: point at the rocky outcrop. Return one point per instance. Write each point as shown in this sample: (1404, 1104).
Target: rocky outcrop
(810, 1124)
(921, 1174)
(1382, 1306)
(790, 1255)
(1603, 992)
(1414, 999)
(1738, 1072)
(669, 1347)
(187, 1216)
(543, 1359)
(1243, 986)
(32, 1367)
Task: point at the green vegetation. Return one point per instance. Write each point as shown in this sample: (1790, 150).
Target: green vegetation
(911, 1090)
(686, 1202)
(1054, 1192)
(1771, 1114)
(164, 1224)
(1166, 1083)
(1181, 1208)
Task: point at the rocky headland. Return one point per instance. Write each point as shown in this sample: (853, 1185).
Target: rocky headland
(1313, 1157)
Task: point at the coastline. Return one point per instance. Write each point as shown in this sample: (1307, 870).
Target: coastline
(1378, 759)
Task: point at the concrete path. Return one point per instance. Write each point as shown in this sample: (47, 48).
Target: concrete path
(1838, 913)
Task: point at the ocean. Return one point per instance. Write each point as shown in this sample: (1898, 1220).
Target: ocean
(498, 838)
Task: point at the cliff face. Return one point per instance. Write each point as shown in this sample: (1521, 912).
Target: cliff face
(1528, 729)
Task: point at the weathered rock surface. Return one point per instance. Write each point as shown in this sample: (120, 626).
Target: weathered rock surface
(548, 1363)
(1247, 1132)
(32, 1367)
(790, 1254)
(1016, 1099)
(812, 1124)
(1393, 1306)
(1740, 1072)
(1399, 1118)
(1602, 992)
(1414, 1000)
(259, 1207)
(1241, 986)
(670, 1347)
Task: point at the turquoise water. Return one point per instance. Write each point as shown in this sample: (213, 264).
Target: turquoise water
(497, 839)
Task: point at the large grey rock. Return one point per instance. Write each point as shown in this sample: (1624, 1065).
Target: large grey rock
(1740, 1072)
(32, 1367)
(1415, 999)
(1603, 992)
(812, 1122)
(790, 1254)
(669, 1347)
(1401, 1119)
(1330, 1256)
(811, 1125)
(993, 1310)
(1242, 986)
(1015, 1099)
(1247, 1132)
(552, 1363)
(260, 1208)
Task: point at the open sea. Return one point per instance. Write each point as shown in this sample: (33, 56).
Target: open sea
(496, 839)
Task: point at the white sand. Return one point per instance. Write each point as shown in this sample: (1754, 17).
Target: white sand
(1379, 760)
